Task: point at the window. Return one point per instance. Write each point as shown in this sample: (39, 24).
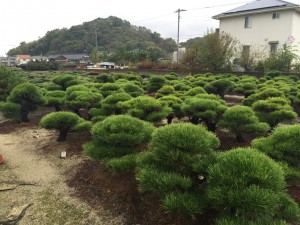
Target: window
(248, 22)
(273, 46)
(276, 15)
(246, 50)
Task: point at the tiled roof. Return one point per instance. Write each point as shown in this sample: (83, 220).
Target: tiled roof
(23, 56)
(258, 5)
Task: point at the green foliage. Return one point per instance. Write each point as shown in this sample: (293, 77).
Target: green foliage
(165, 90)
(216, 50)
(122, 164)
(8, 80)
(272, 73)
(40, 65)
(247, 184)
(155, 83)
(109, 88)
(205, 109)
(164, 182)
(83, 126)
(169, 168)
(79, 96)
(184, 203)
(240, 221)
(241, 120)
(274, 110)
(146, 108)
(115, 140)
(28, 96)
(61, 121)
(135, 42)
(281, 60)
(245, 87)
(110, 106)
(11, 110)
(132, 89)
(65, 81)
(282, 145)
(194, 91)
(218, 87)
(122, 130)
(105, 78)
(55, 98)
(174, 103)
(262, 94)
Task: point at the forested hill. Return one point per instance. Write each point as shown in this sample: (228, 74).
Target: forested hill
(113, 34)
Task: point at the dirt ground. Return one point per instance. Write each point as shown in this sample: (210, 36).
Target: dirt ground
(37, 187)
(33, 185)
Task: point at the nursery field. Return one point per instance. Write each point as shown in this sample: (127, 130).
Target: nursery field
(149, 149)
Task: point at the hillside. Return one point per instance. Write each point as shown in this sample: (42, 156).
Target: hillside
(113, 34)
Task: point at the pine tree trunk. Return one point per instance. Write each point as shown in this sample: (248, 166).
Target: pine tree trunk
(62, 135)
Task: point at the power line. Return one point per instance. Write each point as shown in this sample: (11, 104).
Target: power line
(205, 7)
(214, 6)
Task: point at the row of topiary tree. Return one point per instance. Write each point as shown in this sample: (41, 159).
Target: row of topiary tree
(182, 165)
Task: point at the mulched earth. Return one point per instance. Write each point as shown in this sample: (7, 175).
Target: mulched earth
(118, 193)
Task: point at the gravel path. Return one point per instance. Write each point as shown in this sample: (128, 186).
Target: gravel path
(33, 183)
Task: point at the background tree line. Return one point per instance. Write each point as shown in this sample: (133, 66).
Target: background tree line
(114, 37)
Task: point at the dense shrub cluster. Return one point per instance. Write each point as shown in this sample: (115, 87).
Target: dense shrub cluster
(180, 161)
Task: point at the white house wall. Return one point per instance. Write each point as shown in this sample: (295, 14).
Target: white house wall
(296, 32)
(264, 29)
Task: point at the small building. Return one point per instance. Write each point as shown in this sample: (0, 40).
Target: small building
(38, 58)
(263, 24)
(107, 65)
(22, 59)
(180, 55)
(70, 58)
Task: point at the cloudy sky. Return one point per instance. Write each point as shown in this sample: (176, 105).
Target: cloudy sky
(28, 20)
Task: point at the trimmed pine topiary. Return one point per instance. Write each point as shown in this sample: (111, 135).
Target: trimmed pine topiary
(247, 185)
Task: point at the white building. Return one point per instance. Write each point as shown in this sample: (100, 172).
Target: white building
(180, 55)
(263, 24)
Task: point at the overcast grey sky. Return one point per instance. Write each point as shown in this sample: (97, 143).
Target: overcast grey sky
(28, 20)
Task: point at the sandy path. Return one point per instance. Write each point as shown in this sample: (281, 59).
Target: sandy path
(44, 179)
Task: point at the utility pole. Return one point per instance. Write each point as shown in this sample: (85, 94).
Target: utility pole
(178, 12)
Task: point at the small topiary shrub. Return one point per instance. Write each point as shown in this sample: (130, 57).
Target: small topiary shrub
(219, 87)
(164, 91)
(155, 83)
(241, 120)
(261, 95)
(282, 145)
(115, 141)
(61, 121)
(246, 185)
(274, 111)
(178, 156)
(66, 81)
(55, 99)
(174, 103)
(146, 108)
(205, 108)
(28, 97)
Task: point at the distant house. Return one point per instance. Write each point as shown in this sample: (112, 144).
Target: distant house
(38, 58)
(107, 65)
(69, 58)
(22, 59)
(263, 24)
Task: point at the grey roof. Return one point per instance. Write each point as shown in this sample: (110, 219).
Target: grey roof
(258, 5)
(75, 56)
